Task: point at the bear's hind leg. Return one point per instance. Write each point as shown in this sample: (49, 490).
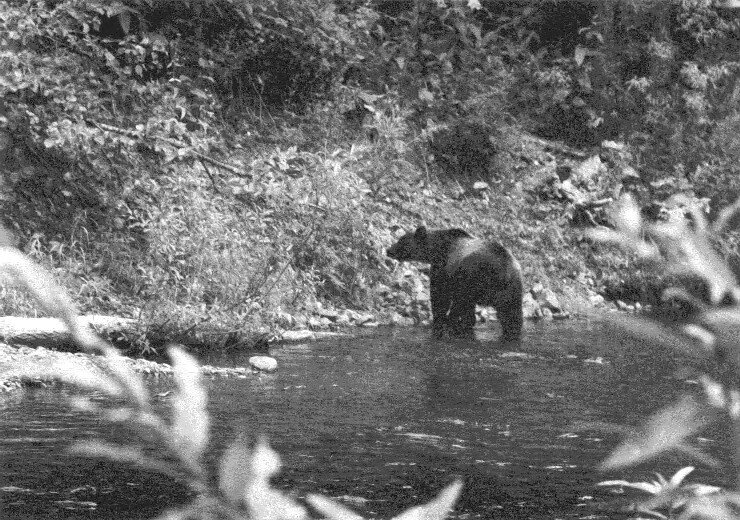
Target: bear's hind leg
(511, 319)
(462, 317)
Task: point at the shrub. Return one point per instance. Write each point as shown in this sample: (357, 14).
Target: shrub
(684, 247)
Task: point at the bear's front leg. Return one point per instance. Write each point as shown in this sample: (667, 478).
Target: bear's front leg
(441, 298)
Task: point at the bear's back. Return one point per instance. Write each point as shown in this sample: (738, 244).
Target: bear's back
(481, 265)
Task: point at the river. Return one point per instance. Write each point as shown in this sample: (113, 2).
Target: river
(383, 421)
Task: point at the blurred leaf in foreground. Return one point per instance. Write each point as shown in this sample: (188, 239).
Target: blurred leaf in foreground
(666, 430)
(437, 509)
(235, 472)
(265, 503)
(667, 494)
(190, 422)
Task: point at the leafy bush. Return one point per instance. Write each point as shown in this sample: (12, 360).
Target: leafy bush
(684, 248)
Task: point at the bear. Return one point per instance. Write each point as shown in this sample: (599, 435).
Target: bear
(465, 271)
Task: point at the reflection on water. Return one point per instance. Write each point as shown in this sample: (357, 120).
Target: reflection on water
(383, 422)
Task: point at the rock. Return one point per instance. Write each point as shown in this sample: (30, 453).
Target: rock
(401, 321)
(263, 363)
(370, 324)
(361, 319)
(550, 300)
(588, 170)
(621, 305)
(284, 319)
(480, 186)
(318, 322)
(343, 319)
(314, 322)
(547, 313)
(331, 314)
(596, 299)
(294, 336)
(613, 145)
(570, 193)
(529, 306)
(537, 289)
(352, 315)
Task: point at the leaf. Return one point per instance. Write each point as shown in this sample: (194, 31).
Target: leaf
(128, 379)
(264, 502)
(677, 478)
(717, 506)
(725, 325)
(580, 54)
(664, 431)
(654, 333)
(331, 509)
(265, 461)
(190, 420)
(69, 371)
(436, 509)
(647, 487)
(235, 472)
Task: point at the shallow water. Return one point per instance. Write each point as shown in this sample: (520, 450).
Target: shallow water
(383, 421)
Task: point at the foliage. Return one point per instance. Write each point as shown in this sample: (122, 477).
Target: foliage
(648, 73)
(243, 488)
(443, 62)
(140, 210)
(272, 51)
(682, 246)
(671, 493)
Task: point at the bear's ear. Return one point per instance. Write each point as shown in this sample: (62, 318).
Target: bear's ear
(421, 233)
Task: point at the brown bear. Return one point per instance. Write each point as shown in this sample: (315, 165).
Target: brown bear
(465, 271)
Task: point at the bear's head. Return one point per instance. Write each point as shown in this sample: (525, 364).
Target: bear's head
(411, 246)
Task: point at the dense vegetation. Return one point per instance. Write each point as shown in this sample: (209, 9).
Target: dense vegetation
(232, 167)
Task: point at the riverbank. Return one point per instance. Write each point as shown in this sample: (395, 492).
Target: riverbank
(25, 363)
(195, 273)
(24, 366)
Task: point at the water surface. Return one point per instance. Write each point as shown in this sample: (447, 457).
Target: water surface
(383, 421)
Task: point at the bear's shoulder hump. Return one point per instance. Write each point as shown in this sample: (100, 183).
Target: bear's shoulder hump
(458, 233)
